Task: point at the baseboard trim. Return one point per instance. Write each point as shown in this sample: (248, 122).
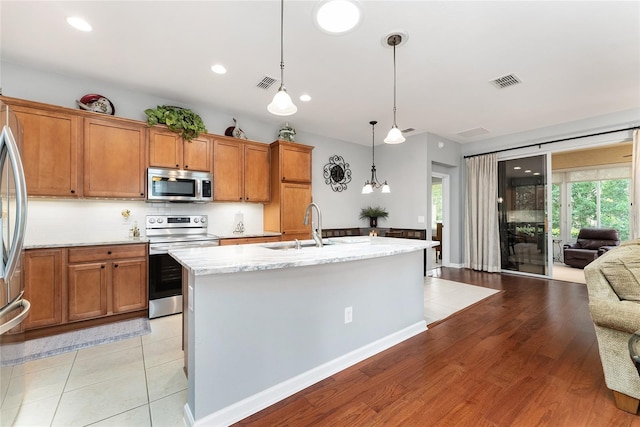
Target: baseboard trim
(257, 402)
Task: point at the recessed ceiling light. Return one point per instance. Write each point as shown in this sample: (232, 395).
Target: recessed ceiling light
(305, 98)
(79, 23)
(218, 69)
(536, 173)
(517, 168)
(337, 16)
(527, 171)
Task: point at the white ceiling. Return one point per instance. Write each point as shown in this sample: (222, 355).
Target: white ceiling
(576, 59)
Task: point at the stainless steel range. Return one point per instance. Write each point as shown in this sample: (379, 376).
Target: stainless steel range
(167, 232)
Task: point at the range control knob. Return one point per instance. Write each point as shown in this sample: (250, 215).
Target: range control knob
(160, 220)
(196, 220)
(152, 220)
(203, 219)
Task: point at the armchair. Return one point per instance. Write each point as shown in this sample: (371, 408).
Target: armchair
(613, 284)
(586, 248)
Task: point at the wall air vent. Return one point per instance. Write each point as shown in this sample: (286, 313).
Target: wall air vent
(407, 130)
(266, 82)
(473, 132)
(506, 81)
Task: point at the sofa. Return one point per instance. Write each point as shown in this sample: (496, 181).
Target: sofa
(613, 283)
(591, 243)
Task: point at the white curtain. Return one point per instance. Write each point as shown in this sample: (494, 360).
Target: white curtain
(634, 225)
(482, 236)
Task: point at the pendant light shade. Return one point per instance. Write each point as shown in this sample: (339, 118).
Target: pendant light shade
(394, 136)
(374, 183)
(282, 105)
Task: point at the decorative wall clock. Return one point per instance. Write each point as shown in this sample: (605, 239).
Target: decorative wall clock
(337, 173)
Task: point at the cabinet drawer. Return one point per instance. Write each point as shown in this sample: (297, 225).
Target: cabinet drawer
(105, 253)
(248, 240)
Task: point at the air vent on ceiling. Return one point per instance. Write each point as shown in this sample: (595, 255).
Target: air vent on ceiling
(407, 130)
(506, 81)
(266, 82)
(473, 132)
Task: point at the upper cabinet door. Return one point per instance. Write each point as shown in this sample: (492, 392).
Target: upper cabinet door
(295, 162)
(227, 171)
(114, 158)
(256, 173)
(168, 150)
(197, 154)
(165, 149)
(50, 151)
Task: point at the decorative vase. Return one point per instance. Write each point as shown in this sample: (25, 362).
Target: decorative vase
(373, 222)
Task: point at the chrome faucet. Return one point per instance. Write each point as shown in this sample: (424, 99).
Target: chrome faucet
(317, 232)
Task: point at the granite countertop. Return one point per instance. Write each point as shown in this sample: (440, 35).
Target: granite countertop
(248, 235)
(70, 241)
(262, 256)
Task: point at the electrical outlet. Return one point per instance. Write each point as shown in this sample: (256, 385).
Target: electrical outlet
(348, 315)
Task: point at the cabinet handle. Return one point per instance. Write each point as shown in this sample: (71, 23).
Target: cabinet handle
(102, 266)
(186, 166)
(73, 191)
(116, 265)
(177, 166)
(108, 252)
(142, 194)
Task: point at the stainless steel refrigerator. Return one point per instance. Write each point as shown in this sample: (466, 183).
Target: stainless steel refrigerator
(13, 222)
(13, 215)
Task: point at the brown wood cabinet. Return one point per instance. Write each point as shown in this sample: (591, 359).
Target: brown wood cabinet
(114, 158)
(240, 171)
(42, 273)
(50, 149)
(290, 190)
(168, 150)
(105, 280)
(295, 162)
(248, 240)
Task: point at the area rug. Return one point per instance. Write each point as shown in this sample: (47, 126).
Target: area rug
(18, 353)
(443, 298)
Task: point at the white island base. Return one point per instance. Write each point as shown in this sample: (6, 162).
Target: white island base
(256, 337)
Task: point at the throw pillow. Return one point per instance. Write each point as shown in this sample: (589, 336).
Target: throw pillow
(621, 267)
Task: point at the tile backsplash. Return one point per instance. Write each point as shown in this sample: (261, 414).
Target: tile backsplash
(53, 219)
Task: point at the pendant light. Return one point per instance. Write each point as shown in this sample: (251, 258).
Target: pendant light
(282, 105)
(374, 183)
(394, 136)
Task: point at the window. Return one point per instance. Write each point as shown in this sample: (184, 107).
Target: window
(596, 198)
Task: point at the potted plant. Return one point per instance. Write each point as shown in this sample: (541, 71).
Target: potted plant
(373, 213)
(180, 120)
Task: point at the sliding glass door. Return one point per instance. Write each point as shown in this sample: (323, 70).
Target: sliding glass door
(522, 210)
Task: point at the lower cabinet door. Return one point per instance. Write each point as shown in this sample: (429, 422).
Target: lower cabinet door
(129, 285)
(87, 287)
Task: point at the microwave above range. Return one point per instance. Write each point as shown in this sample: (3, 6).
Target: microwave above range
(175, 185)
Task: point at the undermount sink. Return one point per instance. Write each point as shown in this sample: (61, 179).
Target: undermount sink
(292, 246)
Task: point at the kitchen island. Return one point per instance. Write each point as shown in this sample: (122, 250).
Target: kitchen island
(265, 321)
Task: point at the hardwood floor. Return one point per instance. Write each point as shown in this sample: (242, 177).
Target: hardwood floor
(524, 357)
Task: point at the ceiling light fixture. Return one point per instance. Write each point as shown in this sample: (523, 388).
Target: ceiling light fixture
(282, 105)
(394, 136)
(218, 69)
(305, 98)
(79, 23)
(337, 16)
(374, 183)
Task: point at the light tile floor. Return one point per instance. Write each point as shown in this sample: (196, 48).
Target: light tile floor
(136, 382)
(140, 382)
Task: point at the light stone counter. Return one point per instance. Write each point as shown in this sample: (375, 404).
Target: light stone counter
(265, 256)
(87, 240)
(262, 324)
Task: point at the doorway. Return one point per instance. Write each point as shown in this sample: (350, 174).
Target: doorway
(440, 183)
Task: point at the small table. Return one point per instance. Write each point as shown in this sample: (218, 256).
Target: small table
(634, 349)
(558, 255)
